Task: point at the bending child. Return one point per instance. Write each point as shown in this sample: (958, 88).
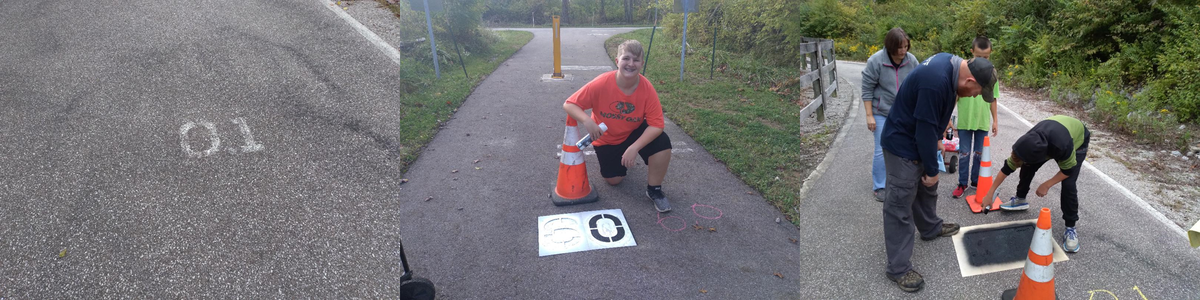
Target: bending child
(1062, 138)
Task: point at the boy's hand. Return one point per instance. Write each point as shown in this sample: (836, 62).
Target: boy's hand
(1043, 189)
(628, 159)
(995, 129)
(593, 129)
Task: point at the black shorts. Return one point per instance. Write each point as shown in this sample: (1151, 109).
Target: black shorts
(609, 156)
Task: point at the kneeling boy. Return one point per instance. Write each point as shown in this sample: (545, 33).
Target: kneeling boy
(627, 103)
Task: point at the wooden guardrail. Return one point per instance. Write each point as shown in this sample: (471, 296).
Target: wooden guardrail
(821, 61)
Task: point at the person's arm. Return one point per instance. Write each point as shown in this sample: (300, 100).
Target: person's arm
(870, 79)
(870, 116)
(942, 146)
(995, 121)
(928, 131)
(1006, 169)
(631, 154)
(989, 198)
(1045, 187)
(582, 117)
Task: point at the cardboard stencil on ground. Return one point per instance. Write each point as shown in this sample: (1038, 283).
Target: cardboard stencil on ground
(988, 248)
(583, 231)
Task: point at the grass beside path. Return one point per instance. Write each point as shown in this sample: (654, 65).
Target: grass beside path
(430, 102)
(745, 116)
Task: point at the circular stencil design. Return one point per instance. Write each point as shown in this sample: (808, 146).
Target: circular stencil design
(606, 228)
(561, 234)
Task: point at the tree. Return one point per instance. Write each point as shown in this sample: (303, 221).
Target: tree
(603, 18)
(566, 9)
(628, 11)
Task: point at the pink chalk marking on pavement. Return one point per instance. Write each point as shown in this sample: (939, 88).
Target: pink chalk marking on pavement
(719, 212)
(664, 226)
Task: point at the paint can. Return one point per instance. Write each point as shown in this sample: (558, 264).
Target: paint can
(587, 139)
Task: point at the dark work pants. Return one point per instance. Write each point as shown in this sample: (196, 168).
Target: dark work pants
(908, 203)
(1070, 196)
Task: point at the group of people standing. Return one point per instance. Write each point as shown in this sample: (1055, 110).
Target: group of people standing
(909, 106)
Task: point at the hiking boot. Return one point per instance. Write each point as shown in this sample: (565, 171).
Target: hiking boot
(909, 282)
(660, 200)
(879, 194)
(1015, 203)
(948, 229)
(958, 191)
(1071, 240)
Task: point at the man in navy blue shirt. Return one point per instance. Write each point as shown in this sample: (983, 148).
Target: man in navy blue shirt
(910, 142)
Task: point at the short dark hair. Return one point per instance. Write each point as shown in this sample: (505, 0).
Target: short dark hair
(982, 42)
(894, 39)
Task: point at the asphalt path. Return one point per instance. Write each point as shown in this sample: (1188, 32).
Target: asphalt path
(477, 236)
(212, 149)
(283, 183)
(1125, 249)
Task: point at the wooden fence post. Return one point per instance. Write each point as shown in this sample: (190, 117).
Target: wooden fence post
(820, 88)
(824, 85)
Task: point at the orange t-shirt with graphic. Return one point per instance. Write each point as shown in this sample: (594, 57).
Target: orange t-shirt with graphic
(621, 113)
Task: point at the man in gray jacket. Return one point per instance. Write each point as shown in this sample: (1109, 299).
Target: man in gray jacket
(881, 79)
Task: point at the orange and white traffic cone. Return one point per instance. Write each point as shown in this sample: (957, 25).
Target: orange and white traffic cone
(984, 183)
(572, 186)
(1037, 280)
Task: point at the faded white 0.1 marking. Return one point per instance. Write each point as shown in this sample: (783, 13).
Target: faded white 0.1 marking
(251, 145)
(214, 139)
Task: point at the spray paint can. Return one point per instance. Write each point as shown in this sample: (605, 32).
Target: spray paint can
(587, 139)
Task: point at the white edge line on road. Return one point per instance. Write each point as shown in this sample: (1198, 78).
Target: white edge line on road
(383, 46)
(1137, 200)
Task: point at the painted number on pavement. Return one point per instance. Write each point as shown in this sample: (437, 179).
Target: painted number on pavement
(214, 138)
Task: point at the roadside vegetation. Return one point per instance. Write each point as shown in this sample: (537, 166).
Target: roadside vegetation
(741, 116)
(429, 101)
(589, 13)
(1127, 64)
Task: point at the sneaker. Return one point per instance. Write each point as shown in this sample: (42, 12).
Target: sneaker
(1071, 240)
(879, 194)
(909, 282)
(974, 185)
(958, 191)
(948, 229)
(1015, 203)
(660, 200)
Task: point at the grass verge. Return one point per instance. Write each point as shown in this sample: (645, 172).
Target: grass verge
(430, 102)
(744, 116)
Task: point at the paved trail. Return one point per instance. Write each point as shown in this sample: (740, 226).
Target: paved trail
(208, 150)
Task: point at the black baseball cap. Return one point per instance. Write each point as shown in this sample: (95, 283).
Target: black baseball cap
(985, 74)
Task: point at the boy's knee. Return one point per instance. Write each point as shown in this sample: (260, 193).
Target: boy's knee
(614, 180)
(665, 153)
